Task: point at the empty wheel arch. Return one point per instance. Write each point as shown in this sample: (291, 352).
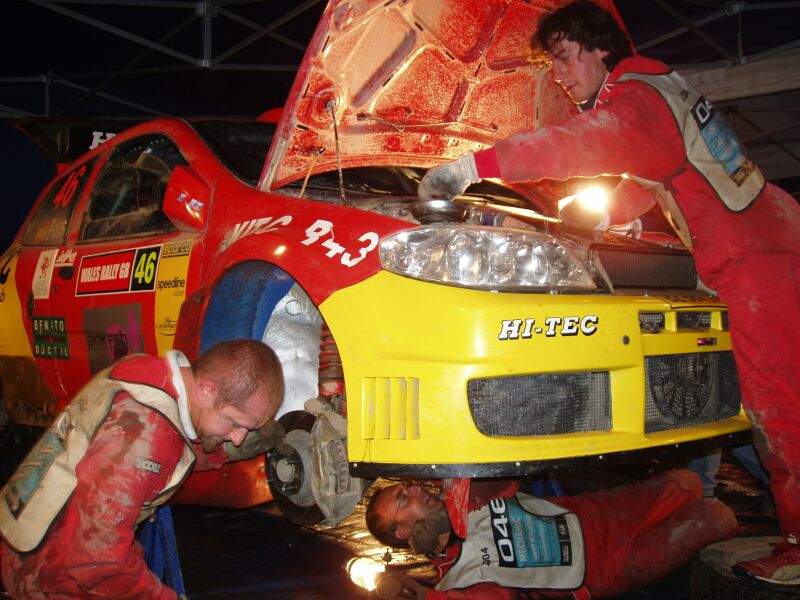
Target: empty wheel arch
(258, 300)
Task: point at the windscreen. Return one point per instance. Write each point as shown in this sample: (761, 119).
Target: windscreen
(369, 182)
(240, 145)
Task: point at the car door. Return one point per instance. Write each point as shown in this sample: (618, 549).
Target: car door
(129, 264)
(34, 341)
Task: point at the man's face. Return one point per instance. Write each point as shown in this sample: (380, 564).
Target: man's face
(580, 72)
(217, 423)
(404, 506)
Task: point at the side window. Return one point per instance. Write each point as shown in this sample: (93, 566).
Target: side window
(48, 226)
(129, 191)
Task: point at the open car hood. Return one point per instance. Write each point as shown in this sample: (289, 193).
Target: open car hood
(413, 82)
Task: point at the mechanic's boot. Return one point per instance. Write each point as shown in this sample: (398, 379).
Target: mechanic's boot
(782, 566)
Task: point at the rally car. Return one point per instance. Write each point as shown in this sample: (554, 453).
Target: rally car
(467, 338)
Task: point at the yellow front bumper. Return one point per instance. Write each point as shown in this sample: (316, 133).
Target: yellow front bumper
(409, 349)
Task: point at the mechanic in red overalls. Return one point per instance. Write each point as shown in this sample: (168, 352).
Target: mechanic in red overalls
(650, 125)
(496, 543)
(121, 449)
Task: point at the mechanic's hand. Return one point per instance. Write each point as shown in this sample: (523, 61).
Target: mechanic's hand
(576, 214)
(397, 586)
(257, 442)
(448, 180)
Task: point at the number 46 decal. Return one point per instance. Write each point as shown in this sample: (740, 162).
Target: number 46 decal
(145, 267)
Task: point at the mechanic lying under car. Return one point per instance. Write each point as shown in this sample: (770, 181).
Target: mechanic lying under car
(598, 543)
(121, 449)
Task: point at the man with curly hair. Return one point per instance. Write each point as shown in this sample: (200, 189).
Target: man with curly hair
(644, 121)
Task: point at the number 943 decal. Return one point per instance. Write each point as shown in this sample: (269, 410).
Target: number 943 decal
(323, 230)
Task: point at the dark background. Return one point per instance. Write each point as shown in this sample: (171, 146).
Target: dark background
(132, 60)
(68, 43)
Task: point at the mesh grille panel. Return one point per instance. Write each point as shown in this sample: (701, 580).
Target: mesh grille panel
(541, 404)
(694, 320)
(686, 389)
(648, 270)
(655, 322)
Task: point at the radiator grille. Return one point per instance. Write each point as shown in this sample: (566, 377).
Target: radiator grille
(687, 389)
(647, 269)
(541, 404)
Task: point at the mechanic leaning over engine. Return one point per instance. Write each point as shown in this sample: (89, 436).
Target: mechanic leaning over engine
(599, 543)
(642, 120)
(121, 449)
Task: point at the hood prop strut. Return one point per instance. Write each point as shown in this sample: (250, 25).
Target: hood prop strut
(313, 153)
(332, 107)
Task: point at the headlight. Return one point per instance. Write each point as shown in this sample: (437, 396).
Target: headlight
(484, 258)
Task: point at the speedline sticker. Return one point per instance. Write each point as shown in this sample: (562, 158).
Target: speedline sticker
(171, 290)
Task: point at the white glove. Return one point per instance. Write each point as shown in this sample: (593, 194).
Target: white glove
(448, 180)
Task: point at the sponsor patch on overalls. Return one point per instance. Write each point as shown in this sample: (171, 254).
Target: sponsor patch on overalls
(145, 464)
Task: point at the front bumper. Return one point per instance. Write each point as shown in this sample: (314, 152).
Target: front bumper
(413, 351)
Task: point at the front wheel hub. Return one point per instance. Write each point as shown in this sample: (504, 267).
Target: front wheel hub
(291, 474)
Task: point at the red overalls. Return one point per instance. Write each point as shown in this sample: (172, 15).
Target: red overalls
(90, 549)
(633, 534)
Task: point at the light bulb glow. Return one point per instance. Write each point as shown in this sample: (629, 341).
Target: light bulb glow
(593, 198)
(364, 572)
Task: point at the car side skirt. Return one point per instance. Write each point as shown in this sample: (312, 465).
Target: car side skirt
(534, 467)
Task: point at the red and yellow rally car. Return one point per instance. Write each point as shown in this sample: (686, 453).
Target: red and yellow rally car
(475, 338)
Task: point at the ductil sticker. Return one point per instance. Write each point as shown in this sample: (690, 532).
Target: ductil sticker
(50, 338)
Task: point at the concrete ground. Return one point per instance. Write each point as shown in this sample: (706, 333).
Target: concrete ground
(258, 554)
(255, 553)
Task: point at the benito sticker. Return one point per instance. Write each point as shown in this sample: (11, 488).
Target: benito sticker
(50, 338)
